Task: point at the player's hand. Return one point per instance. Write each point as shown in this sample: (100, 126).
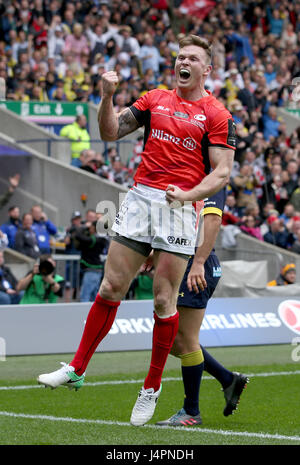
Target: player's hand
(148, 264)
(110, 82)
(174, 193)
(196, 278)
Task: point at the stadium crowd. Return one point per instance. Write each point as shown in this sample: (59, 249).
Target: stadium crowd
(59, 49)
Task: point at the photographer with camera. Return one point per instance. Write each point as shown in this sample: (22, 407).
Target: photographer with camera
(93, 247)
(42, 285)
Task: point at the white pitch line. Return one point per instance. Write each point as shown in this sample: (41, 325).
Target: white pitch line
(172, 428)
(138, 381)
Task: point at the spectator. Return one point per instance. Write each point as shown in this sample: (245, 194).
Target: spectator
(248, 226)
(41, 285)
(91, 247)
(128, 44)
(43, 229)
(25, 239)
(232, 86)
(246, 97)
(287, 276)
(8, 285)
(90, 216)
(79, 137)
(3, 240)
(12, 225)
(278, 233)
(276, 23)
(231, 212)
(296, 245)
(13, 184)
(119, 172)
(253, 210)
(245, 183)
(295, 198)
(72, 282)
(76, 42)
(287, 215)
(242, 44)
(56, 42)
(276, 193)
(150, 56)
(88, 161)
(271, 123)
(293, 175)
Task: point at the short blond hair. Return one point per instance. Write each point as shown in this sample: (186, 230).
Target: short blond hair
(198, 41)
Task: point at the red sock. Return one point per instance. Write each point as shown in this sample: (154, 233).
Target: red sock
(99, 321)
(164, 332)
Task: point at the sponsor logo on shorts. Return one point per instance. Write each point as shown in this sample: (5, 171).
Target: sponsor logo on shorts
(289, 312)
(217, 271)
(179, 241)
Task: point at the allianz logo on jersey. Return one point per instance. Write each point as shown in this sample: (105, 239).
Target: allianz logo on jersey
(189, 143)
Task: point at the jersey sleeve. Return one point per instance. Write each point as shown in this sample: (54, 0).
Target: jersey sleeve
(215, 203)
(141, 109)
(222, 131)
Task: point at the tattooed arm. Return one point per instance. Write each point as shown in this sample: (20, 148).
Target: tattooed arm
(112, 125)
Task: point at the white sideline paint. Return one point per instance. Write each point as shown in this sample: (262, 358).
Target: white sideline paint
(178, 428)
(138, 381)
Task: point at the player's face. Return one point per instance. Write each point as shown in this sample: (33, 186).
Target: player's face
(191, 67)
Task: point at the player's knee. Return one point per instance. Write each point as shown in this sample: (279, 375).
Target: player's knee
(178, 345)
(161, 303)
(111, 289)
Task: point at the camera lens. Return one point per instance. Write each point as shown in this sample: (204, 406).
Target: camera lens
(46, 268)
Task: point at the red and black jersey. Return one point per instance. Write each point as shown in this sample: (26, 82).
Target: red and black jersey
(177, 135)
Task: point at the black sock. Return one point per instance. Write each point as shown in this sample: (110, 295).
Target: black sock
(192, 369)
(215, 369)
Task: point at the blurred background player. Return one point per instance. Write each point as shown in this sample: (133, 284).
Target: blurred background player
(199, 283)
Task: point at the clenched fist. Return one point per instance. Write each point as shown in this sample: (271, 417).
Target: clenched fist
(110, 82)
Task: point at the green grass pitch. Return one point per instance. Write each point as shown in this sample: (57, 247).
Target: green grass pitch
(98, 414)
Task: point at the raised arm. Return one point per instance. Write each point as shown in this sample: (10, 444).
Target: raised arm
(113, 125)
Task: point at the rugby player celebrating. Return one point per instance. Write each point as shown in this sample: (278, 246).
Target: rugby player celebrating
(189, 144)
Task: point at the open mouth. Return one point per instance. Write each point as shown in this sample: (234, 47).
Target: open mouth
(184, 74)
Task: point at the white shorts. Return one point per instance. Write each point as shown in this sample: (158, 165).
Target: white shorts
(146, 216)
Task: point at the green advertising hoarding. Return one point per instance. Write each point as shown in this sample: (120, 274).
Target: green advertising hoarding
(47, 113)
